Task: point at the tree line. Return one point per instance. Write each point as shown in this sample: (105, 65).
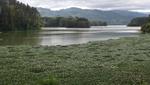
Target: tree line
(18, 16)
(146, 27)
(143, 22)
(139, 21)
(98, 23)
(70, 22)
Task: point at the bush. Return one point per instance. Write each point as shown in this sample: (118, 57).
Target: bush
(49, 81)
(146, 28)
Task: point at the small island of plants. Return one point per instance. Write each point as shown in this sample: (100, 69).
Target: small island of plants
(69, 22)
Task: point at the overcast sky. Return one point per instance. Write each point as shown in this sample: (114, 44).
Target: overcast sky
(138, 5)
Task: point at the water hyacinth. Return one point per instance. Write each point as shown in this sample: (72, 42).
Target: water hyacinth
(114, 62)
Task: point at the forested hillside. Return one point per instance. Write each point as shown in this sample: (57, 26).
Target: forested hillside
(18, 16)
(139, 21)
(114, 17)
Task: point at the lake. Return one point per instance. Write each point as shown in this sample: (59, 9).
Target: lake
(68, 36)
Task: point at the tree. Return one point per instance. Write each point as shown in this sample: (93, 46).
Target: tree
(70, 22)
(139, 21)
(17, 16)
(146, 28)
(98, 23)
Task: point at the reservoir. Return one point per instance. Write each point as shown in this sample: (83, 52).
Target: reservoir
(66, 36)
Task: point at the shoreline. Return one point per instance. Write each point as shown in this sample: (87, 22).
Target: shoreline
(122, 61)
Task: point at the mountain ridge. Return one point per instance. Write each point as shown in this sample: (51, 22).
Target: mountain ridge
(113, 17)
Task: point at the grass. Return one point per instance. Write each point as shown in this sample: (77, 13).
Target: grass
(114, 62)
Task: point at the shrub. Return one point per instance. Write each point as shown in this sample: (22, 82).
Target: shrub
(49, 81)
(146, 28)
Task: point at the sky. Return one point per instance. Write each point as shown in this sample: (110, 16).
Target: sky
(134, 5)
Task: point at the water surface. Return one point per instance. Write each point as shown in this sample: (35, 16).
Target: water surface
(67, 36)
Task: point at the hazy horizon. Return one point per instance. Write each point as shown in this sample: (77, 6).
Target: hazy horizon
(130, 5)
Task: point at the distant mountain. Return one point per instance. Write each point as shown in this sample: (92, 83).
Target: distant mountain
(111, 17)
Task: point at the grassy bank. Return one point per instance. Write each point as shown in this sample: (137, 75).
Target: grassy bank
(114, 62)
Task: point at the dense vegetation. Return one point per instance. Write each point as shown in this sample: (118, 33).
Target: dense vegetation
(144, 22)
(17, 16)
(114, 62)
(139, 21)
(98, 23)
(70, 22)
(146, 28)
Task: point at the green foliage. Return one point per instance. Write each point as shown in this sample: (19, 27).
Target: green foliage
(144, 22)
(70, 22)
(17, 16)
(139, 21)
(146, 28)
(49, 81)
(98, 23)
(114, 62)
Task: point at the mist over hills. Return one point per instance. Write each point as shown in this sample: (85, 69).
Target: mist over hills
(115, 17)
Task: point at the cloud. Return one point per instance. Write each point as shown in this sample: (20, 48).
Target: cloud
(91, 4)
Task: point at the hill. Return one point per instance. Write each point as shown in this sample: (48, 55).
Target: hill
(111, 17)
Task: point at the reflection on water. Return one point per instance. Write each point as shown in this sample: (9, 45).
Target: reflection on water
(67, 36)
(19, 38)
